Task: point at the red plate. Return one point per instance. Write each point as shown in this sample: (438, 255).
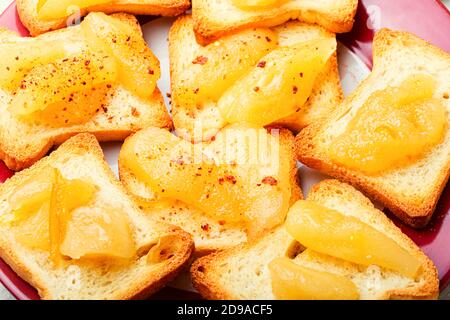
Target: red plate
(429, 19)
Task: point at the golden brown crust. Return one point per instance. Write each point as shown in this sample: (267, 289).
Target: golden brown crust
(106, 126)
(82, 144)
(205, 271)
(414, 211)
(208, 27)
(29, 17)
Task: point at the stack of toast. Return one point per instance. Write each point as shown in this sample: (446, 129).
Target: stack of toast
(212, 185)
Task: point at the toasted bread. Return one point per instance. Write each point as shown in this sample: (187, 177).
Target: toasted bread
(214, 19)
(410, 192)
(23, 143)
(28, 12)
(209, 234)
(242, 272)
(81, 158)
(326, 94)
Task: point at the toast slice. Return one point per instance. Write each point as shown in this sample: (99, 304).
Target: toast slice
(81, 158)
(242, 272)
(123, 112)
(28, 13)
(209, 234)
(214, 19)
(183, 50)
(410, 192)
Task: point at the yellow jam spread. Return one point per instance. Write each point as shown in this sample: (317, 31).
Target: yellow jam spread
(228, 192)
(291, 281)
(394, 128)
(55, 214)
(278, 86)
(66, 82)
(342, 236)
(58, 9)
(217, 66)
(258, 4)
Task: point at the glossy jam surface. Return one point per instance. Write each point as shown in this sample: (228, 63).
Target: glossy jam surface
(330, 232)
(138, 67)
(232, 192)
(98, 232)
(55, 214)
(57, 9)
(258, 4)
(66, 82)
(48, 84)
(280, 84)
(217, 66)
(30, 215)
(19, 58)
(394, 128)
(291, 281)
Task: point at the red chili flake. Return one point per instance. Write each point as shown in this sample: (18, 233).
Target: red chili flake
(256, 89)
(294, 89)
(268, 39)
(108, 86)
(151, 71)
(201, 60)
(270, 181)
(301, 74)
(231, 179)
(135, 112)
(261, 64)
(221, 180)
(222, 222)
(87, 62)
(205, 227)
(168, 95)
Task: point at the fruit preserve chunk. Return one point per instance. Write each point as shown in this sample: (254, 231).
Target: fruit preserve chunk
(57, 9)
(394, 128)
(56, 214)
(30, 215)
(66, 196)
(65, 82)
(52, 83)
(18, 58)
(258, 4)
(233, 192)
(138, 67)
(217, 66)
(278, 85)
(330, 232)
(291, 281)
(98, 232)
